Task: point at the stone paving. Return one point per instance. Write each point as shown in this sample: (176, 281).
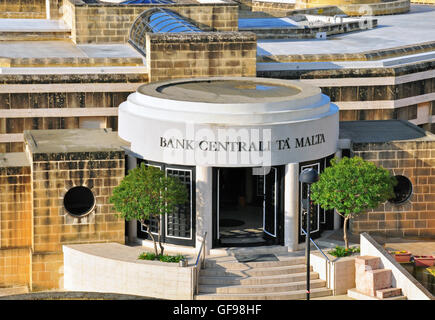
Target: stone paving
(393, 31)
(419, 248)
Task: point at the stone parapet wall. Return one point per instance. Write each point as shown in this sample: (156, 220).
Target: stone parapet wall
(320, 3)
(280, 9)
(333, 7)
(423, 1)
(171, 56)
(22, 9)
(310, 32)
(70, 62)
(382, 8)
(272, 8)
(111, 23)
(371, 55)
(415, 217)
(29, 9)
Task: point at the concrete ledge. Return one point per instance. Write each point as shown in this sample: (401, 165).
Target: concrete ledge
(114, 268)
(372, 55)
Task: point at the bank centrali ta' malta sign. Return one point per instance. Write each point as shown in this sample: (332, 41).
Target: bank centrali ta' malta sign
(274, 145)
(239, 146)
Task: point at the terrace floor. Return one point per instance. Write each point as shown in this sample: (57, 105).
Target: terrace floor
(414, 27)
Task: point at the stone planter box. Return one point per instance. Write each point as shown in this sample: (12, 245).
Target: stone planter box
(401, 257)
(424, 261)
(339, 274)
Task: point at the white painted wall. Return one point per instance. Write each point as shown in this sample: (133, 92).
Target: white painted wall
(112, 268)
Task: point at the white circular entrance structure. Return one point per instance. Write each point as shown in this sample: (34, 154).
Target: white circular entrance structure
(229, 122)
(238, 145)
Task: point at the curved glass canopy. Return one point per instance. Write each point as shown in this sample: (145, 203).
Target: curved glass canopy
(158, 20)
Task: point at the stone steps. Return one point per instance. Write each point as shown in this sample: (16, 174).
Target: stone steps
(225, 278)
(247, 280)
(355, 294)
(290, 295)
(373, 282)
(388, 293)
(248, 271)
(231, 264)
(231, 251)
(261, 288)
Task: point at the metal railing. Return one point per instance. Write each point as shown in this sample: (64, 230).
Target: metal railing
(199, 264)
(328, 263)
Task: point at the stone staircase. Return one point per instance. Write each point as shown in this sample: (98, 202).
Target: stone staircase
(228, 277)
(373, 282)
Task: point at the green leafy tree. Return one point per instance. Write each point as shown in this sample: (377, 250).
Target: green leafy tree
(352, 186)
(146, 194)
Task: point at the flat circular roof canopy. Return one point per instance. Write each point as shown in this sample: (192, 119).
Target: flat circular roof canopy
(212, 121)
(227, 91)
(235, 91)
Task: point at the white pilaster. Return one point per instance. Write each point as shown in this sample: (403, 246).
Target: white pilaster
(47, 9)
(291, 206)
(204, 206)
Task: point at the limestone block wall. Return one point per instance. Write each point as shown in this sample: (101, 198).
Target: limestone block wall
(415, 217)
(15, 220)
(22, 9)
(333, 7)
(281, 9)
(53, 175)
(186, 55)
(29, 9)
(110, 23)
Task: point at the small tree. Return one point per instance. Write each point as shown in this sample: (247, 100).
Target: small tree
(146, 194)
(351, 186)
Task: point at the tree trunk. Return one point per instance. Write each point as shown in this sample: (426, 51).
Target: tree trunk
(160, 241)
(152, 236)
(346, 242)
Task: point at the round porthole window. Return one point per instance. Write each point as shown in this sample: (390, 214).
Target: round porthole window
(402, 190)
(79, 201)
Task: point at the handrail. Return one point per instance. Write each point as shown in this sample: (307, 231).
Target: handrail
(197, 267)
(315, 244)
(201, 249)
(327, 265)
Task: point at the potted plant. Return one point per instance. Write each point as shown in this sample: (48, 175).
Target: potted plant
(401, 256)
(424, 261)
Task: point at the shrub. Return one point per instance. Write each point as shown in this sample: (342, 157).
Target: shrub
(160, 257)
(343, 252)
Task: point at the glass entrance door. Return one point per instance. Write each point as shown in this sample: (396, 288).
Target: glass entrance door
(270, 205)
(247, 207)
